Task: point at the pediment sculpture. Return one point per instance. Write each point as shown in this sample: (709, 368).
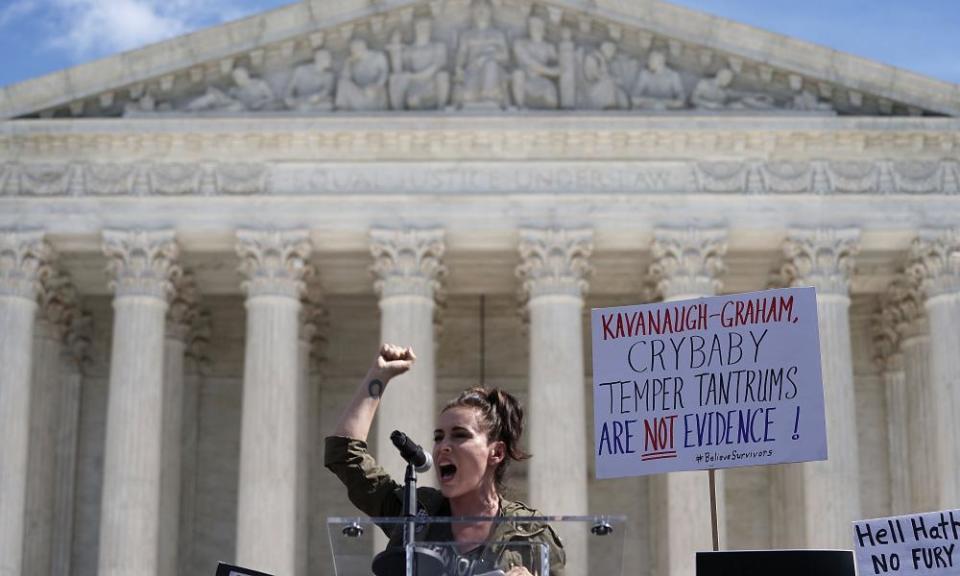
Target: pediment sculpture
(483, 59)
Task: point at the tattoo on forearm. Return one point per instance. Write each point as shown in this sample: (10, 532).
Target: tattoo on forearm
(375, 388)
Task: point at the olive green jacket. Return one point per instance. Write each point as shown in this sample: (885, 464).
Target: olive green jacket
(375, 493)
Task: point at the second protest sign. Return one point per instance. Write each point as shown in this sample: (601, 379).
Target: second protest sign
(708, 383)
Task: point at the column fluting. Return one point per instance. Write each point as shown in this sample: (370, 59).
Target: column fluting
(180, 317)
(57, 298)
(23, 261)
(830, 489)
(554, 270)
(142, 265)
(937, 255)
(687, 264)
(408, 268)
(274, 264)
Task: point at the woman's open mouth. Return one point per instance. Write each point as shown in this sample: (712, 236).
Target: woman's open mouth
(447, 472)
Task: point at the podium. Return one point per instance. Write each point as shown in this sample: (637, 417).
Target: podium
(433, 553)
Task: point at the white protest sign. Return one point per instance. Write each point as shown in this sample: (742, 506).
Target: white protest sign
(714, 382)
(912, 544)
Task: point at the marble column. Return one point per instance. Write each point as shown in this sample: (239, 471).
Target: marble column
(554, 269)
(142, 265)
(23, 257)
(180, 317)
(77, 343)
(56, 309)
(938, 262)
(274, 264)
(408, 269)
(311, 319)
(196, 364)
(687, 264)
(829, 490)
(889, 360)
(920, 402)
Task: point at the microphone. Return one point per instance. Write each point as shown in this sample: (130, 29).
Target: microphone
(411, 452)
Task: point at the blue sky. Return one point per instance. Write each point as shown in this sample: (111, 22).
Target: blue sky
(42, 36)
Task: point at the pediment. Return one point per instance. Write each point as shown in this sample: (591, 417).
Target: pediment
(322, 57)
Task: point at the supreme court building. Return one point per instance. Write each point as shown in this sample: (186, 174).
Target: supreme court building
(203, 242)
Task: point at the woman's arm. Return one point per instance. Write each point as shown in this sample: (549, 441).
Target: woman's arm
(356, 418)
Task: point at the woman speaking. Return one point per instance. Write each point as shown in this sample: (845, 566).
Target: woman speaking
(477, 436)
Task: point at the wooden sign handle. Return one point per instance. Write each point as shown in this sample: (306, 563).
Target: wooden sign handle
(713, 510)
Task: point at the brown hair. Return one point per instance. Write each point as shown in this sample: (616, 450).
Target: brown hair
(502, 415)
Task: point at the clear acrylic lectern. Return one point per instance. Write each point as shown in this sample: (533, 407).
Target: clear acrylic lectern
(588, 542)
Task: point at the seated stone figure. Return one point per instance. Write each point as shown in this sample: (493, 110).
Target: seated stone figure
(420, 80)
(311, 87)
(248, 94)
(482, 53)
(658, 87)
(715, 94)
(363, 79)
(603, 91)
(534, 83)
(808, 101)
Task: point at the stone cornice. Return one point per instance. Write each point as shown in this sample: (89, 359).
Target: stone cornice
(532, 136)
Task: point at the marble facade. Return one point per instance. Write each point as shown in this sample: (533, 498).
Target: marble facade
(203, 243)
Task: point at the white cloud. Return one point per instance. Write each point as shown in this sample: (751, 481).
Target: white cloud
(16, 10)
(91, 28)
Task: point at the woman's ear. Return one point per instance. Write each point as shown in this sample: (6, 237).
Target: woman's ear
(497, 452)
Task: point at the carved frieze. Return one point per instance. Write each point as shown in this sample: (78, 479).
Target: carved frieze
(820, 177)
(481, 55)
(45, 179)
(175, 179)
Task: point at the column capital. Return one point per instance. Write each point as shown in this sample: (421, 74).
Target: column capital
(274, 262)
(182, 311)
(407, 262)
(79, 337)
(198, 338)
(555, 261)
(141, 262)
(24, 258)
(821, 257)
(313, 325)
(58, 303)
(886, 336)
(687, 261)
(936, 255)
